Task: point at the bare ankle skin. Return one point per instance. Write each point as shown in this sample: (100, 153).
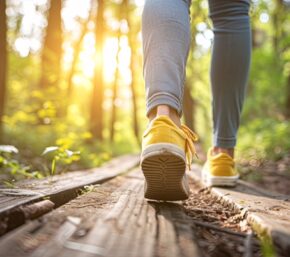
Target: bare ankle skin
(230, 151)
(165, 110)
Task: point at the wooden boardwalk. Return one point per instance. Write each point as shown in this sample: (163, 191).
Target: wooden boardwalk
(268, 213)
(18, 204)
(114, 219)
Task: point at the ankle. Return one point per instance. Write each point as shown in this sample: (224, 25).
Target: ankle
(165, 110)
(230, 151)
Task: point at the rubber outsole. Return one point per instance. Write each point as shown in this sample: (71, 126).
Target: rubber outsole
(222, 181)
(164, 170)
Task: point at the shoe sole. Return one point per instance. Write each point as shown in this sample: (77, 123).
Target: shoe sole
(164, 168)
(209, 180)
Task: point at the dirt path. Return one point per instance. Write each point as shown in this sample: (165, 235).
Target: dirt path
(219, 230)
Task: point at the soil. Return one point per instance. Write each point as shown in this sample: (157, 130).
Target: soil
(204, 209)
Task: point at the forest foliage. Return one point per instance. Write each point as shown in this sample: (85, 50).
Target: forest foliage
(71, 78)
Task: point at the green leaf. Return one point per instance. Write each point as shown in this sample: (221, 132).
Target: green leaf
(2, 160)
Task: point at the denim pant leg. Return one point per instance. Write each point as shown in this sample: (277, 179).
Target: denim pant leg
(166, 41)
(230, 63)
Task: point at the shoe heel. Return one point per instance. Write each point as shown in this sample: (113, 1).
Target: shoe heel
(164, 171)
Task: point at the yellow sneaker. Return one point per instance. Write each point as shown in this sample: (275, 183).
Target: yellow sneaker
(219, 170)
(166, 149)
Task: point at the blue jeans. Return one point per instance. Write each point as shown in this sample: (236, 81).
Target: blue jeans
(166, 42)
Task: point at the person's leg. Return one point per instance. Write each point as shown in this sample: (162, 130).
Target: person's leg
(166, 41)
(229, 69)
(167, 146)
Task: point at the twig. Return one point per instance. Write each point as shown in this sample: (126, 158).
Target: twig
(248, 245)
(213, 227)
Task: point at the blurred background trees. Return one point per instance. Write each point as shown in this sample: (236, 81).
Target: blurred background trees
(72, 77)
(52, 47)
(3, 62)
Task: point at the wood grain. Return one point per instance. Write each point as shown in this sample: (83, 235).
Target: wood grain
(59, 189)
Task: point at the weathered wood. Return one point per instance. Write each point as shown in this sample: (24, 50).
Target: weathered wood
(59, 189)
(175, 232)
(59, 239)
(128, 226)
(25, 240)
(116, 233)
(21, 240)
(266, 212)
(167, 243)
(38, 209)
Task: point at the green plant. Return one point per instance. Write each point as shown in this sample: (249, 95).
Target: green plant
(264, 139)
(88, 189)
(11, 168)
(268, 249)
(60, 155)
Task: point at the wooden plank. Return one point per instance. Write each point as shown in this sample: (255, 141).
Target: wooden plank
(118, 231)
(60, 189)
(25, 240)
(268, 213)
(63, 233)
(175, 232)
(127, 225)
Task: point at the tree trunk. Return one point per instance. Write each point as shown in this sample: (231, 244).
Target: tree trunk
(115, 90)
(188, 107)
(188, 100)
(77, 49)
(287, 105)
(278, 17)
(133, 92)
(96, 113)
(3, 62)
(52, 48)
(131, 39)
